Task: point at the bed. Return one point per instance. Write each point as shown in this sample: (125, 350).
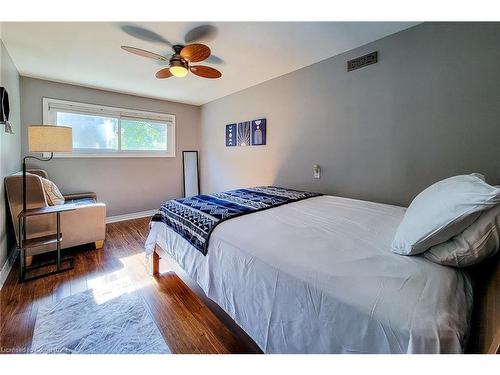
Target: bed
(318, 276)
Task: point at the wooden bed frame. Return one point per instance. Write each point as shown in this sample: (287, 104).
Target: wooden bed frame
(485, 325)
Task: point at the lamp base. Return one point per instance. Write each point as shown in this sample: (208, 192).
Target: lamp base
(67, 264)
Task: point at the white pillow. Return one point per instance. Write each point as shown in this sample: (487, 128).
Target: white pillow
(442, 211)
(52, 193)
(479, 175)
(478, 242)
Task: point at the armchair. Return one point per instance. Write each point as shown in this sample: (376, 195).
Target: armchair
(84, 225)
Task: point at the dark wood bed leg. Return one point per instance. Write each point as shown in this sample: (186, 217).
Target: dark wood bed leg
(155, 266)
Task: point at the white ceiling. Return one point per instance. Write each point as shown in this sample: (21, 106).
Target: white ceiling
(89, 54)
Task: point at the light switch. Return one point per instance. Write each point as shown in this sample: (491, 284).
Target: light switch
(316, 171)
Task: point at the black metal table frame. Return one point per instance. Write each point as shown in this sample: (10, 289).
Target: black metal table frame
(58, 262)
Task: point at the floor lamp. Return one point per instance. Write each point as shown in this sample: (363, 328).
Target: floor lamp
(42, 138)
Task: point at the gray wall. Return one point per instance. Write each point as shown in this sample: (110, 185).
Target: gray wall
(125, 185)
(10, 145)
(429, 109)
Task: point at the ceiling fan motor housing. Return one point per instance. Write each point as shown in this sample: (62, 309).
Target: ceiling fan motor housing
(178, 48)
(176, 60)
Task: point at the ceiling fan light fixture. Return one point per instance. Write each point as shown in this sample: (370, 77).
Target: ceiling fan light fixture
(178, 68)
(178, 71)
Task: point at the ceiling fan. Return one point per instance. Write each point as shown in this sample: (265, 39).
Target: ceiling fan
(183, 57)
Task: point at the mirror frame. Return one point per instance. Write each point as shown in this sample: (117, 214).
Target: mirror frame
(184, 170)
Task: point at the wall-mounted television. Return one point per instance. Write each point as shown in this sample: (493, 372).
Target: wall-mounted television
(5, 109)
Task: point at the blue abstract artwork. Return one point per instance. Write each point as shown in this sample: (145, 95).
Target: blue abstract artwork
(231, 135)
(244, 133)
(259, 132)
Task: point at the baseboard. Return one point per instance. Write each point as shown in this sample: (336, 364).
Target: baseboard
(4, 273)
(133, 215)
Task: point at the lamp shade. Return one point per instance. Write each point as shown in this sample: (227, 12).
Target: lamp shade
(48, 138)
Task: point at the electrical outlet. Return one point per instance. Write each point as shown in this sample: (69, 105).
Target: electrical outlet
(316, 171)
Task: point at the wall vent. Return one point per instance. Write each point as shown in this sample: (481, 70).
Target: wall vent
(362, 61)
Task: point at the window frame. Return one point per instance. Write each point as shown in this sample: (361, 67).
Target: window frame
(51, 106)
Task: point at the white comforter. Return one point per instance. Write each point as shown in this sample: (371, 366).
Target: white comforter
(318, 276)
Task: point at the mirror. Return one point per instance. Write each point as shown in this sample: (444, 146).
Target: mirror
(190, 167)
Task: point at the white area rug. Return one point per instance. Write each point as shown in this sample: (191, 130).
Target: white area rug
(84, 324)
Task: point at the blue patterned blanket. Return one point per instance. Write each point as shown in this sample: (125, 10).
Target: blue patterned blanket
(194, 218)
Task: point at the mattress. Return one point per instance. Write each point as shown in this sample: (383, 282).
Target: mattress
(318, 276)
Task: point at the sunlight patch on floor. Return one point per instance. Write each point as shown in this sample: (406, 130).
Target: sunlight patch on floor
(117, 283)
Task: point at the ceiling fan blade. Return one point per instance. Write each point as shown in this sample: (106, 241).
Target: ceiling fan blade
(205, 71)
(195, 52)
(212, 59)
(144, 34)
(203, 33)
(144, 53)
(163, 73)
(164, 62)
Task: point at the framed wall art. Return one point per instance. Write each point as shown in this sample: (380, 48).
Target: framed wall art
(259, 132)
(231, 135)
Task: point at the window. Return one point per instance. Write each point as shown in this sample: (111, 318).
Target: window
(100, 131)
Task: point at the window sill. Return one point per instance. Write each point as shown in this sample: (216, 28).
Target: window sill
(121, 155)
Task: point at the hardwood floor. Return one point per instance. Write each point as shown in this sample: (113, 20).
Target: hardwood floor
(188, 321)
